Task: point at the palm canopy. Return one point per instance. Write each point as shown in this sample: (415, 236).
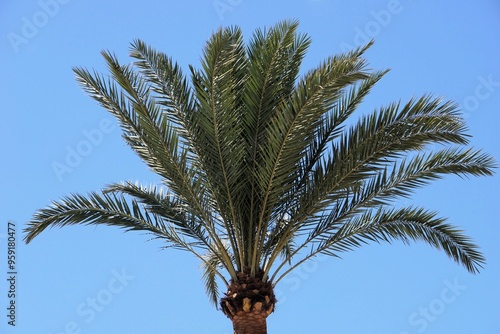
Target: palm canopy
(262, 168)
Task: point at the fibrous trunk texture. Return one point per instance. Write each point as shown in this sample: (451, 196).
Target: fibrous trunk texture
(248, 303)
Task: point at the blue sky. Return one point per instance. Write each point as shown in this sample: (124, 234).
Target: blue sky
(99, 280)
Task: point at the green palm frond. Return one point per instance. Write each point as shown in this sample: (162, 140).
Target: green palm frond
(295, 126)
(167, 80)
(164, 205)
(154, 137)
(405, 224)
(145, 126)
(404, 179)
(217, 130)
(333, 122)
(377, 143)
(261, 168)
(274, 59)
(387, 225)
(211, 270)
(102, 209)
(365, 169)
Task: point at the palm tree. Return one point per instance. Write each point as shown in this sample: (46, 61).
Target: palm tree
(263, 169)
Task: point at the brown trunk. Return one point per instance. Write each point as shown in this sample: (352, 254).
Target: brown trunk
(249, 323)
(248, 303)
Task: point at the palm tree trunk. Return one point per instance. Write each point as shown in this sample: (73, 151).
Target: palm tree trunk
(248, 303)
(250, 323)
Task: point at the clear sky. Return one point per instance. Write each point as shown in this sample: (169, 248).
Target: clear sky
(84, 280)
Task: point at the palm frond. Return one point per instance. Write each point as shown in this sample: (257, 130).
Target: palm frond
(210, 268)
(403, 180)
(357, 175)
(103, 209)
(152, 136)
(388, 225)
(262, 169)
(145, 128)
(406, 224)
(333, 124)
(274, 61)
(167, 81)
(292, 130)
(216, 126)
(376, 143)
(164, 205)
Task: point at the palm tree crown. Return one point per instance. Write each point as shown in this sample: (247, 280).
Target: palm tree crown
(262, 168)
